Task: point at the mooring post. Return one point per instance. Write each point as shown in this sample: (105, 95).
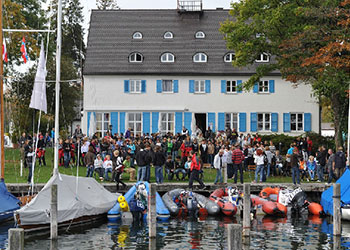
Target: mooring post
(54, 212)
(246, 210)
(234, 237)
(336, 210)
(16, 239)
(225, 173)
(54, 244)
(152, 212)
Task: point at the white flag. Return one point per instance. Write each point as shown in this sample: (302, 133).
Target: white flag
(38, 100)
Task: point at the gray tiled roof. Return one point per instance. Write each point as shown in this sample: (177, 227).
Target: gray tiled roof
(110, 43)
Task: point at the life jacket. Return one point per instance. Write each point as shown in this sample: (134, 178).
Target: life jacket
(195, 163)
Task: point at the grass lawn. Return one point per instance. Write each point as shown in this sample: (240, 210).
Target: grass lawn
(43, 173)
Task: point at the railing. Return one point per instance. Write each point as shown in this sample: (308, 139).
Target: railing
(189, 5)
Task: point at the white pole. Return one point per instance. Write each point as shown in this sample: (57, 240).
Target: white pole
(19, 30)
(58, 78)
(21, 171)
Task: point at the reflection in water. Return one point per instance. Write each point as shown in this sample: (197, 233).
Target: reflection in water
(267, 233)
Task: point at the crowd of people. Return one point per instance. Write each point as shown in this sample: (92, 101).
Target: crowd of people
(182, 156)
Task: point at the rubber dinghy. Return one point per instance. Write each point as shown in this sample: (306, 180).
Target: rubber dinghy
(163, 213)
(79, 201)
(8, 203)
(269, 207)
(227, 199)
(178, 202)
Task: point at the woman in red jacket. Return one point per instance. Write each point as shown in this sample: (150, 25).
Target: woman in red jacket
(195, 168)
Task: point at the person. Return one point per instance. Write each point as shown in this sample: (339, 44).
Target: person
(237, 159)
(148, 160)
(303, 169)
(179, 169)
(89, 159)
(321, 160)
(339, 163)
(188, 166)
(259, 162)
(29, 158)
(98, 166)
(311, 167)
(159, 160)
(195, 168)
(108, 166)
(218, 165)
(203, 148)
(169, 168)
(132, 148)
(66, 153)
(184, 133)
(279, 163)
(329, 165)
(141, 163)
(269, 156)
(309, 145)
(211, 151)
(77, 132)
(129, 169)
(294, 167)
(118, 169)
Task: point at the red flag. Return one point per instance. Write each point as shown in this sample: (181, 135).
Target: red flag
(4, 52)
(24, 51)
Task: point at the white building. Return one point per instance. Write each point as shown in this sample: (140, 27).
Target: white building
(156, 70)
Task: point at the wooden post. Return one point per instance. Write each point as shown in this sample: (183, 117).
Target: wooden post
(246, 210)
(225, 173)
(54, 244)
(152, 212)
(16, 239)
(336, 242)
(234, 238)
(54, 212)
(336, 210)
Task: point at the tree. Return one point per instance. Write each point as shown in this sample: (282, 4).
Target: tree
(293, 32)
(107, 4)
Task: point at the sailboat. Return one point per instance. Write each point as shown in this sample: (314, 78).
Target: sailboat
(80, 200)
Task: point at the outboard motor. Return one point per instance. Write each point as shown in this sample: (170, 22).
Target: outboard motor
(192, 206)
(299, 203)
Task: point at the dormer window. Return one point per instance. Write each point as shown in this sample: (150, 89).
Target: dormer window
(229, 57)
(168, 35)
(263, 58)
(167, 57)
(137, 35)
(200, 35)
(135, 57)
(200, 57)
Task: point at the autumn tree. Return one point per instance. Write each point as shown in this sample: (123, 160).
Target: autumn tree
(107, 4)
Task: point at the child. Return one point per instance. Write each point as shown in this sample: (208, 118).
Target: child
(311, 166)
(188, 165)
(107, 165)
(303, 169)
(98, 164)
(169, 168)
(129, 169)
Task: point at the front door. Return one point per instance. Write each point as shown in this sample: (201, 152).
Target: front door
(201, 121)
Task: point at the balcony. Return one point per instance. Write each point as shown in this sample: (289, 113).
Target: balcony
(189, 6)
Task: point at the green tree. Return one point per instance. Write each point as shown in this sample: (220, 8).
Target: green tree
(107, 4)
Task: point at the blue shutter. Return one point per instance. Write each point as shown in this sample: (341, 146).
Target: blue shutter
(159, 86)
(307, 122)
(155, 120)
(272, 86)
(122, 122)
(188, 121)
(211, 120)
(191, 86)
(242, 122)
(286, 122)
(274, 122)
(114, 122)
(178, 122)
(253, 122)
(239, 86)
(256, 88)
(146, 124)
(88, 122)
(221, 121)
(207, 86)
(143, 86)
(223, 86)
(176, 86)
(126, 86)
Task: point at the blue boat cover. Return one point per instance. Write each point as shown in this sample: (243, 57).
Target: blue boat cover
(327, 195)
(8, 202)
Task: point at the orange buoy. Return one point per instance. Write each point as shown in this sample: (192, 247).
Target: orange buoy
(315, 208)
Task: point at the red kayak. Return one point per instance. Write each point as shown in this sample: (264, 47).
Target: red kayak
(269, 207)
(220, 196)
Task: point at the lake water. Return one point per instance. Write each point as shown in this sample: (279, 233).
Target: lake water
(211, 233)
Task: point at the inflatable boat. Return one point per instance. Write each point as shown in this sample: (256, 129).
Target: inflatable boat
(269, 207)
(114, 214)
(181, 202)
(227, 199)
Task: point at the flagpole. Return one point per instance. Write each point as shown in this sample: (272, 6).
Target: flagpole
(2, 173)
(58, 78)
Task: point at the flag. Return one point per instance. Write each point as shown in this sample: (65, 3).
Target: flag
(38, 100)
(4, 52)
(24, 51)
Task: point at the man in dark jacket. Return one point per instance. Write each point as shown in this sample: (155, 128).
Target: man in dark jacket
(321, 158)
(143, 160)
(294, 159)
(339, 163)
(158, 162)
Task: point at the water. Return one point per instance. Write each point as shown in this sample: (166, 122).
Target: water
(267, 233)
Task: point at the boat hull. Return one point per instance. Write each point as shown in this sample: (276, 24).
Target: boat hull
(227, 207)
(345, 213)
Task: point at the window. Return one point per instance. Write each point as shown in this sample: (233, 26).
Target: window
(264, 122)
(231, 87)
(264, 86)
(231, 121)
(102, 123)
(135, 57)
(168, 35)
(167, 57)
(263, 58)
(200, 35)
(199, 86)
(137, 35)
(200, 57)
(135, 86)
(167, 85)
(135, 122)
(296, 122)
(167, 123)
(229, 57)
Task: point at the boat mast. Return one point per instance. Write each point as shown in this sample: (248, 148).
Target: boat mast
(2, 134)
(58, 79)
